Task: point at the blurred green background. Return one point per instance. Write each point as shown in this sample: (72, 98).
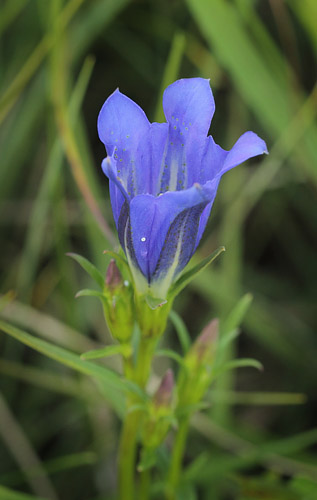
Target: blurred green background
(59, 61)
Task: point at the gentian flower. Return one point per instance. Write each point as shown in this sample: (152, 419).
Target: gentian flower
(164, 177)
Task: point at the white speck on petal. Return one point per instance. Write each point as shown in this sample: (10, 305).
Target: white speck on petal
(143, 238)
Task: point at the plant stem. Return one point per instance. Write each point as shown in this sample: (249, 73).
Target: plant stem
(127, 456)
(177, 459)
(144, 361)
(128, 440)
(145, 483)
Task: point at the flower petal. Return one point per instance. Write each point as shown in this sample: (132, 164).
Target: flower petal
(216, 161)
(189, 103)
(212, 161)
(150, 157)
(117, 191)
(188, 106)
(247, 146)
(164, 230)
(121, 125)
(203, 220)
(211, 164)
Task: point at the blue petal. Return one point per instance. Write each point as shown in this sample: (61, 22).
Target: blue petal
(189, 103)
(121, 126)
(117, 191)
(204, 219)
(189, 106)
(216, 161)
(164, 229)
(246, 147)
(150, 157)
(212, 161)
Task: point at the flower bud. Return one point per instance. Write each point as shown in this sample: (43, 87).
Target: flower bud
(203, 349)
(118, 304)
(164, 393)
(195, 380)
(160, 413)
(113, 276)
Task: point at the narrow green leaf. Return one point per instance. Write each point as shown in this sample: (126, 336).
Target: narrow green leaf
(239, 363)
(48, 380)
(227, 339)
(93, 272)
(87, 292)
(257, 398)
(170, 354)
(46, 326)
(181, 330)
(235, 317)
(243, 61)
(59, 464)
(103, 374)
(110, 350)
(292, 444)
(188, 276)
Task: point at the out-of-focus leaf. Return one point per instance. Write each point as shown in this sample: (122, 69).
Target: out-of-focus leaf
(110, 350)
(90, 293)
(239, 363)
(7, 494)
(235, 317)
(181, 330)
(103, 374)
(93, 272)
(170, 354)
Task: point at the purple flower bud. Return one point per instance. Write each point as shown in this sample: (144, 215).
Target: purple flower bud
(164, 393)
(113, 276)
(118, 304)
(194, 382)
(204, 345)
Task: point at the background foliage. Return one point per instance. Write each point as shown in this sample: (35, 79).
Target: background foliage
(58, 433)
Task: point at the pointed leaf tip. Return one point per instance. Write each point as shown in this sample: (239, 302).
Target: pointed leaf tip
(188, 276)
(154, 302)
(90, 269)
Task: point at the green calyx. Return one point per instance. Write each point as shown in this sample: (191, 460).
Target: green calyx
(152, 315)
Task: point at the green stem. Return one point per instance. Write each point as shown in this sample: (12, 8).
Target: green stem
(145, 483)
(177, 459)
(128, 441)
(144, 361)
(127, 456)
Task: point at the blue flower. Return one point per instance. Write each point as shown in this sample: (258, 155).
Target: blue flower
(164, 178)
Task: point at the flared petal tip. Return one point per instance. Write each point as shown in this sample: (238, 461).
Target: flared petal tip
(247, 146)
(107, 166)
(256, 144)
